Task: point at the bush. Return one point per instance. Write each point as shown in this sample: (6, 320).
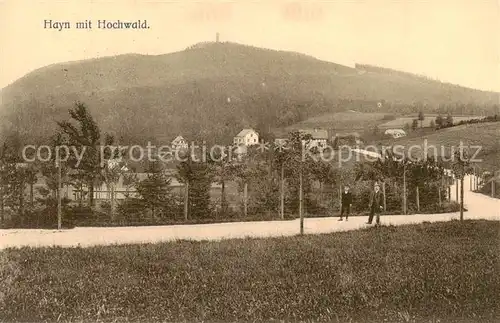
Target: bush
(131, 208)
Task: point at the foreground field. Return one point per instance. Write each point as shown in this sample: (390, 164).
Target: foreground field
(425, 272)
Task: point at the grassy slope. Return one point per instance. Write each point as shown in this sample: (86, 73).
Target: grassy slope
(419, 273)
(342, 121)
(161, 96)
(485, 135)
(402, 121)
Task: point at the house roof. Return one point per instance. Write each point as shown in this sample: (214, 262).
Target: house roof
(245, 132)
(395, 131)
(178, 138)
(343, 135)
(316, 133)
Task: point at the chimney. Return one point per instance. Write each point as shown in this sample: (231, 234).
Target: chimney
(217, 37)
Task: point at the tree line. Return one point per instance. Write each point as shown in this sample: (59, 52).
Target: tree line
(280, 182)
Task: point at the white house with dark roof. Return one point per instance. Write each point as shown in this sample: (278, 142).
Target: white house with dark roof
(319, 138)
(179, 143)
(395, 133)
(246, 137)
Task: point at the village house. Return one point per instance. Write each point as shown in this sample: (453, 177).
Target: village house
(246, 137)
(179, 143)
(351, 139)
(395, 133)
(319, 138)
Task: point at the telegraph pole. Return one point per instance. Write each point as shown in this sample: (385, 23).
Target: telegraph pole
(59, 193)
(282, 191)
(404, 188)
(383, 191)
(301, 202)
(186, 187)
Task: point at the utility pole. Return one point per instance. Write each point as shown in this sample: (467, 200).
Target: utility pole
(301, 202)
(418, 199)
(186, 186)
(462, 196)
(456, 189)
(404, 188)
(186, 200)
(340, 197)
(1, 194)
(475, 179)
(245, 198)
(462, 176)
(385, 201)
(112, 204)
(493, 186)
(439, 195)
(282, 191)
(59, 193)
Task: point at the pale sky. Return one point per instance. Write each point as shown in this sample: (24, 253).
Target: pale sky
(456, 41)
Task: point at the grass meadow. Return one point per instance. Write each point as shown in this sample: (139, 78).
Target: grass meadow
(483, 135)
(441, 272)
(400, 122)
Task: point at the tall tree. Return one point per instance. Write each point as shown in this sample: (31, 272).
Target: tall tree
(7, 173)
(433, 125)
(83, 133)
(198, 177)
(224, 171)
(449, 121)
(439, 121)
(414, 124)
(421, 118)
(156, 191)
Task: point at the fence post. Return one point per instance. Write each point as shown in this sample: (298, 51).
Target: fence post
(301, 215)
(59, 211)
(439, 196)
(186, 200)
(404, 189)
(418, 200)
(245, 197)
(383, 192)
(282, 192)
(340, 197)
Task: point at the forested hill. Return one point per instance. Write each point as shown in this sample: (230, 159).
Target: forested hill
(212, 91)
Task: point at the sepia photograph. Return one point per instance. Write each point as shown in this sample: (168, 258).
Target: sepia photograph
(250, 161)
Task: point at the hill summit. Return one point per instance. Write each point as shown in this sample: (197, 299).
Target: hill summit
(209, 91)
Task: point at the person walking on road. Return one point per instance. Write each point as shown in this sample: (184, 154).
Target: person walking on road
(346, 203)
(375, 204)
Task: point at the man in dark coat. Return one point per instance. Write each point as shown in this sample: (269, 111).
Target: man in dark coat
(375, 204)
(346, 203)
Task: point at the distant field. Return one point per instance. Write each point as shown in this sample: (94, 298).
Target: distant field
(402, 121)
(485, 135)
(342, 121)
(441, 272)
